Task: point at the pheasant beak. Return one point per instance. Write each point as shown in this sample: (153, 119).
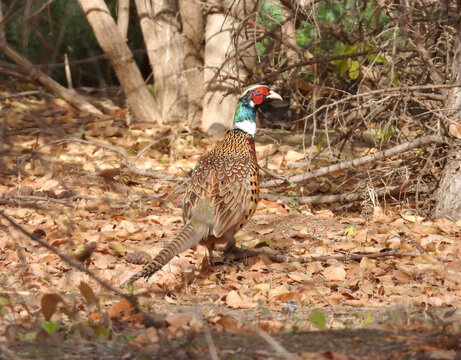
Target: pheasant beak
(274, 96)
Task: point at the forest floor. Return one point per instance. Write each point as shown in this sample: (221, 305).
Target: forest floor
(85, 186)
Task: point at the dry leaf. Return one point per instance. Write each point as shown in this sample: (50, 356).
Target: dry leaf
(334, 273)
(49, 305)
(120, 310)
(299, 276)
(292, 156)
(178, 319)
(87, 292)
(264, 230)
(455, 130)
(234, 300)
(412, 218)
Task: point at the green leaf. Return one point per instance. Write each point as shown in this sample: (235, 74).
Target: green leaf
(267, 241)
(379, 59)
(118, 248)
(51, 326)
(4, 300)
(270, 14)
(317, 319)
(127, 337)
(367, 321)
(101, 332)
(354, 70)
(349, 230)
(389, 130)
(343, 66)
(29, 336)
(393, 77)
(320, 144)
(164, 160)
(351, 49)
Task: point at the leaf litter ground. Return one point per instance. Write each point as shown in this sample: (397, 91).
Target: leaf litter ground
(69, 179)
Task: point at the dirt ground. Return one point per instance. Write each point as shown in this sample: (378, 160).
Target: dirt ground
(72, 181)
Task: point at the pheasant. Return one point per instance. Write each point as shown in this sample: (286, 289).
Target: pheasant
(223, 190)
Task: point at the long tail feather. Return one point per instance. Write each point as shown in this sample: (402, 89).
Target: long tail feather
(189, 236)
(195, 230)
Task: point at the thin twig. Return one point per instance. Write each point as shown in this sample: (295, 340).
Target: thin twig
(337, 198)
(67, 259)
(121, 152)
(149, 173)
(8, 353)
(277, 258)
(156, 142)
(274, 175)
(279, 349)
(402, 89)
(72, 97)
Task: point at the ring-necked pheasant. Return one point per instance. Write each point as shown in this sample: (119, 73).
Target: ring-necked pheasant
(223, 191)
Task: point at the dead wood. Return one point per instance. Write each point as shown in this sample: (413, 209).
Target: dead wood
(277, 258)
(338, 198)
(35, 73)
(69, 260)
(425, 140)
(151, 320)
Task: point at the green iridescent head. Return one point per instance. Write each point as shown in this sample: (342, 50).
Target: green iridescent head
(249, 101)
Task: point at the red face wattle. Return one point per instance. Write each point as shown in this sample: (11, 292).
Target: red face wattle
(258, 94)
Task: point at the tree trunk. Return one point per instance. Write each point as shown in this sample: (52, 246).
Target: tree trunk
(38, 75)
(227, 60)
(216, 107)
(448, 196)
(123, 17)
(160, 26)
(192, 40)
(138, 97)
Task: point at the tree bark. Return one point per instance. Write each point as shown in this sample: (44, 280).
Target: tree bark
(193, 37)
(138, 97)
(448, 195)
(218, 108)
(123, 17)
(161, 30)
(227, 60)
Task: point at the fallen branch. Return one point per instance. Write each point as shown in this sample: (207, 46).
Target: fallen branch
(338, 198)
(128, 167)
(425, 140)
(152, 320)
(72, 97)
(308, 259)
(149, 173)
(121, 152)
(69, 260)
(8, 353)
(147, 147)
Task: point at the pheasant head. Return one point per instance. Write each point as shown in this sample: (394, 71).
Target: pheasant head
(249, 101)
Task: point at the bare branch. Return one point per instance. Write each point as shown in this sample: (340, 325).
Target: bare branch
(72, 97)
(425, 140)
(65, 258)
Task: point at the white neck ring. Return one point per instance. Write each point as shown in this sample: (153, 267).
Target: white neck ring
(247, 126)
